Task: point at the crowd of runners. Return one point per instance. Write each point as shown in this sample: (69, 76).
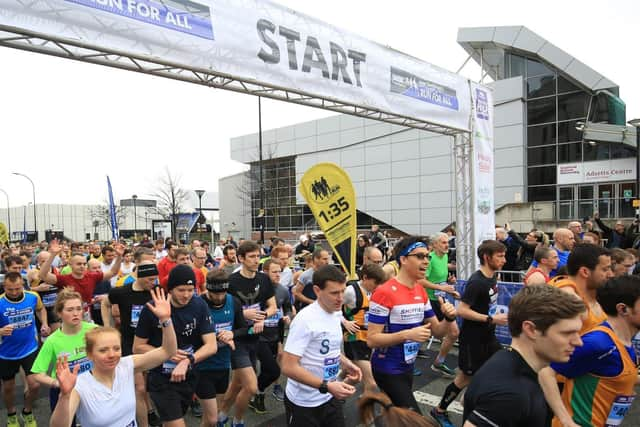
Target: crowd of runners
(138, 335)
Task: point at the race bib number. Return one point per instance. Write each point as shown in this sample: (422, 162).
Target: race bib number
(411, 351)
(22, 320)
(135, 315)
(169, 365)
(85, 365)
(272, 322)
(49, 300)
(224, 326)
(331, 368)
(132, 424)
(619, 409)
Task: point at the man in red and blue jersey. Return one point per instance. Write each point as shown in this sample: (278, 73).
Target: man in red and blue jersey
(400, 319)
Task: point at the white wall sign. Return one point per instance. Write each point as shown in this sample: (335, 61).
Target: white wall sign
(600, 171)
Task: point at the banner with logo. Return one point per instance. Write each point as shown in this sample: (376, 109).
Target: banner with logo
(482, 166)
(253, 41)
(329, 193)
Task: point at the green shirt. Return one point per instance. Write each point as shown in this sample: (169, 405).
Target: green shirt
(437, 272)
(59, 344)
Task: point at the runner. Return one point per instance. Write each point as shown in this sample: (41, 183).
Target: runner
(312, 360)
(356, 307)
(229, 262)
(105, 396)
(547, 260)
(440, 283)
(19, 344)
(68, 340)
(124, 305)
(80, 279)
(602, 374)
(544, 324)
(48, 293)
(478, 341)
(400, 319)
(303, 291)
(255, 292)
(589, 267)
(229, 324)
(198, 258)
(272, 337)
(167, 263)
(172, 384)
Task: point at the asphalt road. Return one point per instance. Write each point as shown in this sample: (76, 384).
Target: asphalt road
(428, 388)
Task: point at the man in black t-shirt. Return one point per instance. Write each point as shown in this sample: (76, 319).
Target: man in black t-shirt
(477, 341)
(122, 307)
(172, 384)
(255, 292)
(545, 327)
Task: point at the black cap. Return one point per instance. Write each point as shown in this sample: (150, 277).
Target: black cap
(146, 270)
(181, 275)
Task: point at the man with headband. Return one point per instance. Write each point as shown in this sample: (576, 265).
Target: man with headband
(229, 323)
(400, 320)
(123, 305)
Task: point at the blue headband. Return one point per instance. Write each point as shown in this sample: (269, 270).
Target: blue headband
(410, 249)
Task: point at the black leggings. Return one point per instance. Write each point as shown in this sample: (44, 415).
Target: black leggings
(269, 369)
(399, 388)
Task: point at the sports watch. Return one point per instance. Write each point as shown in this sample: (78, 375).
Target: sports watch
(323, 387)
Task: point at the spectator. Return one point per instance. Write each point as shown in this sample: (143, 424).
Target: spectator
(576, 229)
(591, 237)
(534, 239)
(363, 243)
(619, 236)
(622, 262)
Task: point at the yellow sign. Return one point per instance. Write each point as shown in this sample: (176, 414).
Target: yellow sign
(636, 203)
(4, 234)
(329, 193)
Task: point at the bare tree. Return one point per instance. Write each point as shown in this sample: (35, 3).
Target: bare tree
(170, 197)
(101, 215)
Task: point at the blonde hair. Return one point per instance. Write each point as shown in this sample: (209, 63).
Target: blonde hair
(66, 294)
(91, 337)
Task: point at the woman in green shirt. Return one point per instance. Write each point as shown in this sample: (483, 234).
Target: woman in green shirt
(68, 340)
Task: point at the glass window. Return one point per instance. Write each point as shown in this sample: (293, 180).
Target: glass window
(564, 85)
(568, 153)
(626, 195)
(517, 66)
(622, 151)
(541, 176)
(541, 135)
(572, 106)
(567, 132)
(542, 194)
(536, 68)
(541, 155)
(595, 151)
(541, 110)
(541, 86)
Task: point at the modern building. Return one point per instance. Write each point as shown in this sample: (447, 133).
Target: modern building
(404, 177)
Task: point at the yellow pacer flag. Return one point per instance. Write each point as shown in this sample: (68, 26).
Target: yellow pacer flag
(4, 234)
(329, 193)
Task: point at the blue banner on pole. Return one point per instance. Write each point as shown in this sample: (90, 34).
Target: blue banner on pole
(112, 213)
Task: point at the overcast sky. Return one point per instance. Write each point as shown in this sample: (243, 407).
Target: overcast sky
(68, 124)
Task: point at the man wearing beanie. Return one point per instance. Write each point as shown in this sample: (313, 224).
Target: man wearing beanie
(172, 384)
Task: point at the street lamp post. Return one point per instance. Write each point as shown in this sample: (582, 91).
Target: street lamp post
(636, 123)
(135, 217)
(8, 214)
(33, 187)
(200, 193)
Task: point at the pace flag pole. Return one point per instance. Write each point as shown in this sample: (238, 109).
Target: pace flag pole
(112, 213)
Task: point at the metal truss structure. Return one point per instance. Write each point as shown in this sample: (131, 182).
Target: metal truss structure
(22, 39)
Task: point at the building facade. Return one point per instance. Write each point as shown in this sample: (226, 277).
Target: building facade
(404, 178)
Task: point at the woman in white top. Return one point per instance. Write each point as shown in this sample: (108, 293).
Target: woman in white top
(105, 396)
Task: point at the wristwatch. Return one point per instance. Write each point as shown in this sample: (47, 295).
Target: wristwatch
(192, 360)
(323, 387)
(489, 319)
(165, 323)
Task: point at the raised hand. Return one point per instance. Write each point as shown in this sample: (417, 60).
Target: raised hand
(54, 247)
(161, 306)
(447, 308)
(66, 378)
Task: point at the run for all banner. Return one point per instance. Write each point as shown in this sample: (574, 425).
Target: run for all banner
(482, 166)
(255, 41)
(330, 195)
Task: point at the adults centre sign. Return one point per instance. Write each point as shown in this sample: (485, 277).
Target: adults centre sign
(600, 171)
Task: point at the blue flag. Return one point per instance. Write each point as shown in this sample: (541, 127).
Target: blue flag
(112, 212)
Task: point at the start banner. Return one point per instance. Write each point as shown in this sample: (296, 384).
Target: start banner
(329, 193)
(255, 41)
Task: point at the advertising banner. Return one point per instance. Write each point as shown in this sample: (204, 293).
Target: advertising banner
(329, 193)
(600, 171)
(255, 41)
(4, 233)
(482, 166)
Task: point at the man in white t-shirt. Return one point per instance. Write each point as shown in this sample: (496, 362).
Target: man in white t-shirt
(312, 358)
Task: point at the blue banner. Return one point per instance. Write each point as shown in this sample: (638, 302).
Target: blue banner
(422, 89)
(112, 213)
(184, 16)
